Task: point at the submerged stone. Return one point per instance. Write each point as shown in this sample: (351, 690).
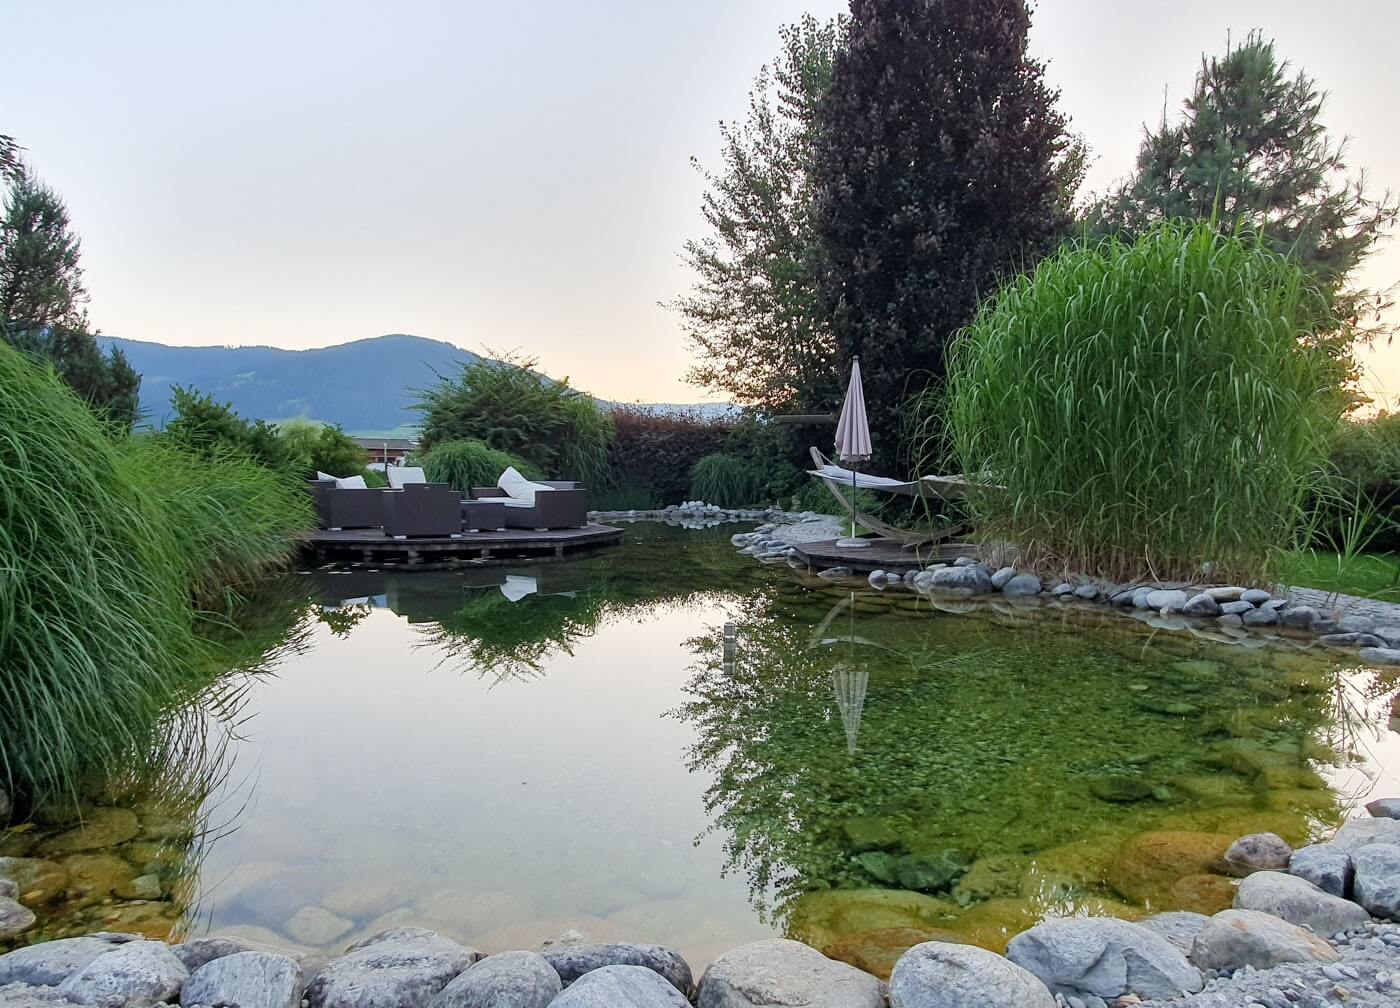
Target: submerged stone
(103, 827)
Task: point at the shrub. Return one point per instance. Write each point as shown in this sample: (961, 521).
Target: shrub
(203, 425)
(726, 480)
(231, 518)
(313, 447)
(467, 464)
(96, 630)
(1149, 407)
(650, 458)
(513, 408)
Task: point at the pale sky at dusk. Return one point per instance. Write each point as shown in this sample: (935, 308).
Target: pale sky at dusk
(510, 175)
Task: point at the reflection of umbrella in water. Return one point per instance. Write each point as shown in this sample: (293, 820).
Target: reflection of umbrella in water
(848, 682)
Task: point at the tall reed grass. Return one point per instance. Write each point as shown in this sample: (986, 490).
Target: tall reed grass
(105, 544)
(466, 464)
(1150, 408)
(726, 480)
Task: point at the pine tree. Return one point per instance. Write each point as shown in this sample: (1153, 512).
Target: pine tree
(755, 315)
(942, 165)
(1250, 149)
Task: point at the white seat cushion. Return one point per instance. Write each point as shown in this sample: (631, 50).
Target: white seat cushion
(518, 586)
(514, 502)
(518, 488)
(324, 476)
(351, 483)
(399, 475)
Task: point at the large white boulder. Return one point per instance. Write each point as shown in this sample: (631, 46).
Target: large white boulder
(778, 972)
(1104, 957)
(945, 975)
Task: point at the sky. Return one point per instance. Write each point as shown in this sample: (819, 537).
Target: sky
(514, 176)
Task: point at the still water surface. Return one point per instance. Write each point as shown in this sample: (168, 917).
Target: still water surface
(667, 742)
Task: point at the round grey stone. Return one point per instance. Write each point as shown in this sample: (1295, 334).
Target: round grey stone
(400, 968)
(621, 987)
(50, 963)
(1201, 605)
(1376, 884)
(245, 980)
(778, 972)
(15, 917)
(1324, 865)
(1384, 808)
(1255, 596)
(134, 975)
(1105, 957)
(943, 975)
(1299, 902)
(1258, 852)
(1236, 938)
(573, 961)
(1179, 927)
(1022, 586)
(507, 980)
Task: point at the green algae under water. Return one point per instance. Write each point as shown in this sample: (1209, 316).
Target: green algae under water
(668, 742)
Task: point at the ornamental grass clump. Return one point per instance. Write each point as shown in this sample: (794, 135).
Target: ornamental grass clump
(1150, 409)
(465, 464)
(96, 629)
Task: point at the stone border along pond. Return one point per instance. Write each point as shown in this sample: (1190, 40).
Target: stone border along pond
(1231, 614)
(1310, 927)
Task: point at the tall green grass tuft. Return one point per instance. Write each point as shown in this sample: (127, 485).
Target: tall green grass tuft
(96, 629)
(1150, 408)
(229, 517)
(466, 464)
(726, 480)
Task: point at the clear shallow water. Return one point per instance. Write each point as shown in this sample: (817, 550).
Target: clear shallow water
(667, 742)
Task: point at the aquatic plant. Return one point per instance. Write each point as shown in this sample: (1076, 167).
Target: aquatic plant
(726, 480)
(1149, 408)
(96, 629)
(229, 518)
(466, 463)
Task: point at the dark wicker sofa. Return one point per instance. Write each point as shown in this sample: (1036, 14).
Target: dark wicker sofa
(563, 505)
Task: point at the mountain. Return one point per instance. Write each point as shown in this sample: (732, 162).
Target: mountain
(363, 386)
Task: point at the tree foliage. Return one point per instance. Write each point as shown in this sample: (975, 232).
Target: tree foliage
(942, 164)
(513, 408)
(203, 425)
(42, 295)
(754, 313)
(1250, 149)
(316, 447)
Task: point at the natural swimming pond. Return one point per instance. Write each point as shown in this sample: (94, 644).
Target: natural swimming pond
(668, 742)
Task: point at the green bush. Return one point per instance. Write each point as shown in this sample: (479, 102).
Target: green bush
(727, 480)
(313, 447)
(231, 518)
(203, 425)
(1149, 408)
(96, 629)
(515, 409)
(467, 464)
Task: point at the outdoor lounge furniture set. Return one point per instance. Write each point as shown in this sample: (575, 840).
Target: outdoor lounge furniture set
(412, 507)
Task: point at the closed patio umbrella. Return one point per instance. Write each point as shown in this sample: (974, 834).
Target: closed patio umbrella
(853, 443)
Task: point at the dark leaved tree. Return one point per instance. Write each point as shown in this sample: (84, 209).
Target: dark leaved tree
(942, 164)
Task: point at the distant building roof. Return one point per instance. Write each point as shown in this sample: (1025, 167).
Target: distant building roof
(406, 444)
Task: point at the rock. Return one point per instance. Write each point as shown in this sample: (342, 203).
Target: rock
(1257, 852)
(1201, 605)
(876, 952)
(1324, 865)
(826, 916)
(8, 889)
(1255, 596)
(999, 580)
(1236, 938)
(507, 980)
(573, 961)
(94, 877)
(835, 574)
(15, 917)
(942, 975)
(1226, 594)
(1118, 788)
(361, 898)
(1146, 866)
(1301, 616)
(1104, 957)
(1203, 894)
(134, 975)
(621, 987)
(962, 581)
(778, 972)
(1236, 608)
(1299, 902)
(869, 833)
(1356, 624)
(245, 980)
(1179, 927)
(316, 926)
(1021, 586)
(1348, 640)
(198, 951)
(403, 967)
(1087, 592)
(1231, 620)
(1376, 884)
(39, 881)
(1359, 832)
(1172, 600)
(1380, 655)
(103, 827)
(1384, 808)
(1260, 617)
(1389, 635)
(51, 963)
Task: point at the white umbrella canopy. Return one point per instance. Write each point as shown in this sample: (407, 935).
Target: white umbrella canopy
(853, 429)
(853, 442)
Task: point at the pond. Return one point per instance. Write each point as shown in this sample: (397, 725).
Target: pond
(668, 742)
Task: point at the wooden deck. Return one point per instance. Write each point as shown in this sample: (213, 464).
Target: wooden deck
(881, 554)
(373, 546)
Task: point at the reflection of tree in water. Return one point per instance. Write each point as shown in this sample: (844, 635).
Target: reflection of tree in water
(969, 738)
(504, 639)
